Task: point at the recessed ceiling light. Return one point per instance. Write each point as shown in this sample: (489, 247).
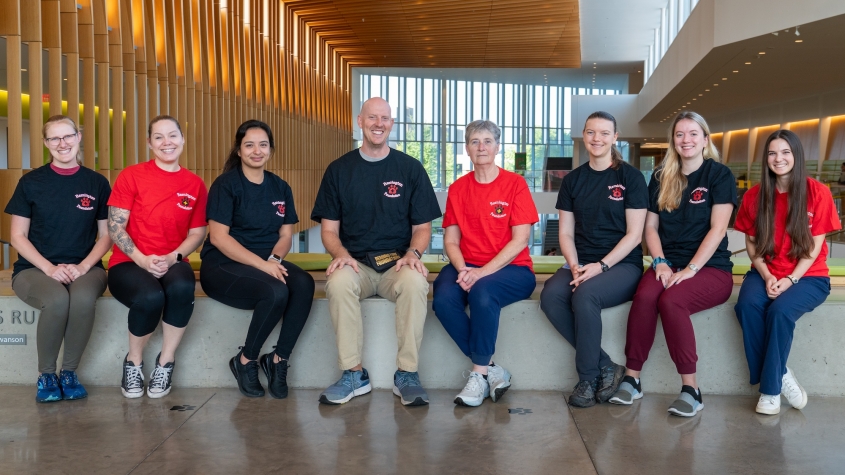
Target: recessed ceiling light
(707, 90)
(748, 62)
(736, 71)
(762, 52)
(689, 102)
(799, 41)
(716, 85)
(695, 98)
(724, 79)
(700, 95)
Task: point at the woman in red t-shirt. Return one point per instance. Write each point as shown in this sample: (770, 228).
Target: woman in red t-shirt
(784, 219)
(489, 214)
(156, 218)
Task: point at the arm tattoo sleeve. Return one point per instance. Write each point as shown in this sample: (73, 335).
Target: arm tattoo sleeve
(118, 217)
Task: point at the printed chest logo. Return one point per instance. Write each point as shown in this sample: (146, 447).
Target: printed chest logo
(499, 210)
(85, 201)
(810, 216)
(280, 208)
(698, 195)
(186, 201)
(392, 189)
(617, 192)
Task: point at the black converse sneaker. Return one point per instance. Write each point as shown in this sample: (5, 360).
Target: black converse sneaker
(132, 385)
(160, 380)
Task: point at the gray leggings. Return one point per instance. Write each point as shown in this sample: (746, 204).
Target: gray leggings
(67, 313)
(577, 314)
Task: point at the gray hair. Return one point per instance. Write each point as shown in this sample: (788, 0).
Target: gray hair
(480, 126)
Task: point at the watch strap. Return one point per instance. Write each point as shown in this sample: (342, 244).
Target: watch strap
(604, 267)
(416, 252)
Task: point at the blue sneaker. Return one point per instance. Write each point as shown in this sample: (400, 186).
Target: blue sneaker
(629, 391)
(71, 388)
(689, 403)
(407, 386)
(350, 384)
(48, 388)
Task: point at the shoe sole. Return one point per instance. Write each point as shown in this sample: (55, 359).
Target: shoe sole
(158, 395)
(419, 401)
(57, 399)
(767, 412)
(355, 392)
(497, 393)
(676, 412)
(622, 402)
(74, 398)
(235, 373)
(266, 368)
(577, 404)
(129, 395)
(459, 401)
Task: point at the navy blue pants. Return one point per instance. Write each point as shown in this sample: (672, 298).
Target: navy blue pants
(767, 325)
(476, 336)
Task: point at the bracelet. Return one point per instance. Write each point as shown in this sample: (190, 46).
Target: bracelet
(660, 260)
(793, 279)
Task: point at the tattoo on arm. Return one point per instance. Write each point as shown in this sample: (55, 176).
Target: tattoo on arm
(118, 217)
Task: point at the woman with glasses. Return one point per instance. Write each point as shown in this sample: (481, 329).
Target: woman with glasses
(59, 230)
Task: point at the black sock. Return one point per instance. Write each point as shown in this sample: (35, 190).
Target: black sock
(692, 392)
(485, 376)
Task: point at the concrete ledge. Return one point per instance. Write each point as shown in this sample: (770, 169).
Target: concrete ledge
(528, 346)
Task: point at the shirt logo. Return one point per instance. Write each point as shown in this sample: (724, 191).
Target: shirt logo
(698, 195)
(280, 208)
(85, 201)
(498, 209)
(616, 192)
(810, 218)
(392, 189)
(185, 201)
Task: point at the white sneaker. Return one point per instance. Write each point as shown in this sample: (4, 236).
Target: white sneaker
(499, 380)
(769, 404)
(474, 392)
(792, 391)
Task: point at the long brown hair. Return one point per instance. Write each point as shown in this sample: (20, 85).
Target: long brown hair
(615, 154)
(672, 180)
(796, 214)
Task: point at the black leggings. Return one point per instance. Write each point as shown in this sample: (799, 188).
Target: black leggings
(147, 296)
(245, 287)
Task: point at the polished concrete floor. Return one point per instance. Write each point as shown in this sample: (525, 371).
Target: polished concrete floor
(207, 431)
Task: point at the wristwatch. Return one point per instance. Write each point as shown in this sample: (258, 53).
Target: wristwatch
(178, 256)
(694, 267)
(604, 267)
(274, 257)
(793, 279)
(416, 252)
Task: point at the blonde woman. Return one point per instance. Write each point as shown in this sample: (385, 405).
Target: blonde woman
(691, 198)
(59, 229)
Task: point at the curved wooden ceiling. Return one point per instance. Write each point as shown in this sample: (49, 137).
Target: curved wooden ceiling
(448, 33)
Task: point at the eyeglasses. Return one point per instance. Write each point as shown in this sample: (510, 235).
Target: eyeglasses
(69, 139)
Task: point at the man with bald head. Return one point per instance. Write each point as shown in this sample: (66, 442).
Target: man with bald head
(376, 205)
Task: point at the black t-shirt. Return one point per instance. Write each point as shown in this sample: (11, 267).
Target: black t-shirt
(682, 231)
(376, 202)
(254, 213)
(599, 200)
(63, 212)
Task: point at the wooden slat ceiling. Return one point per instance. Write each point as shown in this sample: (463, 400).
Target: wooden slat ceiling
(448, 33)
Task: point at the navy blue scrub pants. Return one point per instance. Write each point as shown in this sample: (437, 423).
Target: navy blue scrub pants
(476, 336)
(767, 325)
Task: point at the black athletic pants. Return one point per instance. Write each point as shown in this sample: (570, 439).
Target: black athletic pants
(245, 287)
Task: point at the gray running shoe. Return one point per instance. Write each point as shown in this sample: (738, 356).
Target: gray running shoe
(407, 386)
(474, 392)
(499, 380)
(350, 384)
(629, 391)
(688, 404)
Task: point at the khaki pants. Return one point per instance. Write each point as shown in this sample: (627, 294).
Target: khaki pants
(407, 288)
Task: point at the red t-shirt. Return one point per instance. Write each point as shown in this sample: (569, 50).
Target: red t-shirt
(162, 206)
(822, 216)
(485, 214)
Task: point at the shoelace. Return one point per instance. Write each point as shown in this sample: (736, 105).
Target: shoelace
(788, 387)
(69, 378)
(473, 385)
(133, 377)
(769, 399)
(407, 379)
(50, 381)
(251, 371)
(160, 377)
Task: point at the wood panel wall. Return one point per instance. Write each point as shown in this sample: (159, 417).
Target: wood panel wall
(210, 63)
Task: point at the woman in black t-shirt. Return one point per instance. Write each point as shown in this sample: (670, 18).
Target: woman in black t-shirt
(59, 214)
(691, 198)
(602, 207)
(250, 218)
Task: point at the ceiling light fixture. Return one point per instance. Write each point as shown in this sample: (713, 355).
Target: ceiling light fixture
(736, 71)
(799, 41)
(748, 62)
(762, 52)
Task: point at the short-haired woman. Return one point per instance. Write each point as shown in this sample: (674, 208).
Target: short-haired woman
(59, 230)
(785, 218)
(251, 217)
(602, 207)
(691, 199)
(489, 214)
(156, 218)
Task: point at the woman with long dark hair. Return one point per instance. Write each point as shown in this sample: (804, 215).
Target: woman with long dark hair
(691, 198)
(785, 218)
(602, 207)
(250, 219)
(59, 230)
